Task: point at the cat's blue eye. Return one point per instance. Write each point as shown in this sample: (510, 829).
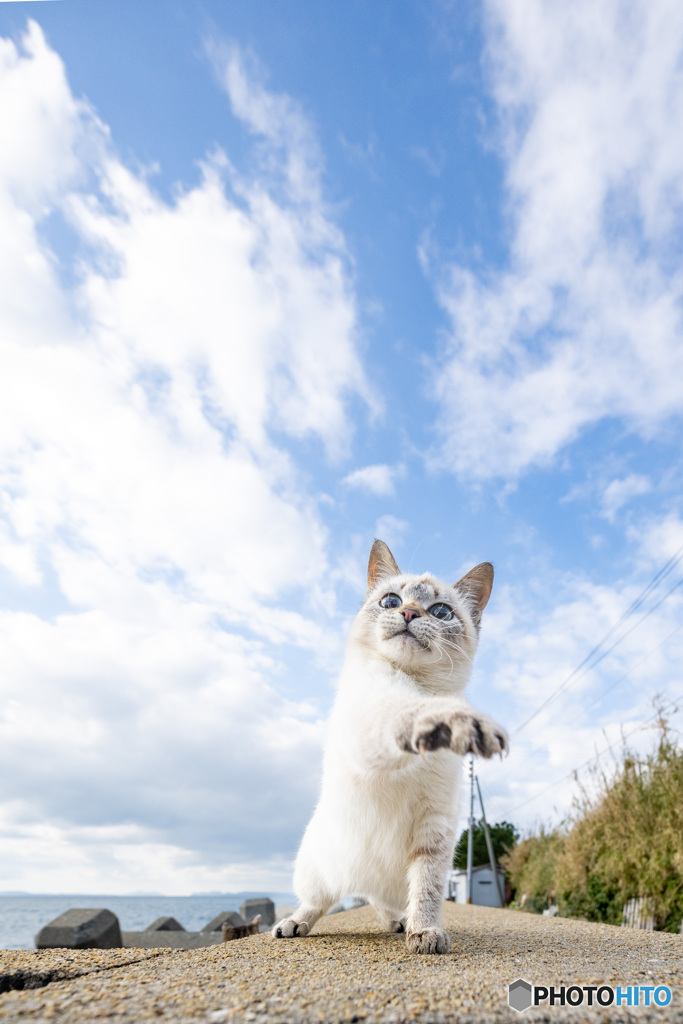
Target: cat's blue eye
(390, 601)
(441, 611)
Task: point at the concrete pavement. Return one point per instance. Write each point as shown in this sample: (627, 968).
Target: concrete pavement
(348, 970)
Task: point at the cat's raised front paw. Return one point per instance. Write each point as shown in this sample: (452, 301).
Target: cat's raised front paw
(462, 731)
(430, 732)
(288, 929)
(478, 734)
(431, 940)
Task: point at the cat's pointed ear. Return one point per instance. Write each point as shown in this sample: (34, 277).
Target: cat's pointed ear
(382, 563)
(475, 586)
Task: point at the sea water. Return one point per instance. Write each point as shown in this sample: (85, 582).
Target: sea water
(22, 916)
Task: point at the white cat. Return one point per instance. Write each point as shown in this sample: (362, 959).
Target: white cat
(385, 823)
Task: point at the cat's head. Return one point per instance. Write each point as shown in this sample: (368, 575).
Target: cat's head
(420, 624)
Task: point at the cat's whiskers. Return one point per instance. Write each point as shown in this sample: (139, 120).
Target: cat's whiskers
(458, 648)
(443, 651)
(435, 645)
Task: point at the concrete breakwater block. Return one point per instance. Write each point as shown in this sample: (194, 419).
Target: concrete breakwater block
(263, 906)
(165, 924)
(81, 929)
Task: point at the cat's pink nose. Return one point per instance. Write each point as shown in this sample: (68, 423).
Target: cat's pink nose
(409, 613)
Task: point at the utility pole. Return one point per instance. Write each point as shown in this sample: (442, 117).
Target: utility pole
(489, 847)
(469, 834)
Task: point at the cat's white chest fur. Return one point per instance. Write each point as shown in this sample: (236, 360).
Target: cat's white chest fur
(384, 827)
(376, 806)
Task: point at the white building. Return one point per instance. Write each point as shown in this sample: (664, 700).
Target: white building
(484, 891)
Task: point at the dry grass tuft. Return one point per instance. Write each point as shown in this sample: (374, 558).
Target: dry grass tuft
(623, 839)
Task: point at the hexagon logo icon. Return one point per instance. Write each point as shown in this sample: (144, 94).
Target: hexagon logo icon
(519, 995)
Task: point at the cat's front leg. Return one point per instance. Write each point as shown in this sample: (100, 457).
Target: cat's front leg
(428, 866)
(465, 731)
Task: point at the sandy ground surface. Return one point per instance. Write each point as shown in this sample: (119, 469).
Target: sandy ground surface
(347, 970)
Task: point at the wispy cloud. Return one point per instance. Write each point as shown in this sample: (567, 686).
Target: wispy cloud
(433, 158)
(391, 529)
(620, 491)
(379, 479)
(585, 321)
(290, 152)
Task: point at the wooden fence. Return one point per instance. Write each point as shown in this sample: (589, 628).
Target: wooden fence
(638, 914)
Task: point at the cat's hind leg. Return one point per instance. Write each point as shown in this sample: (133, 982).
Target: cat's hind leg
(392, 920)
(315, 900)
(300, 923)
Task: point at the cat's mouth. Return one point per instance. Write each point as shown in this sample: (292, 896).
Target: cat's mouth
(406, 635)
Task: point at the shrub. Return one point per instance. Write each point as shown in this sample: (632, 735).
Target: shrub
(626, 839)
(622, 840)
(531, 866)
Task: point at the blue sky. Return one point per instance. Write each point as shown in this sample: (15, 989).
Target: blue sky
(280, 278)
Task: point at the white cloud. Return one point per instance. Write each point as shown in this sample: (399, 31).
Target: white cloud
(378, 479)
(658, 539)
(620, 491)
(142, 485)
(585, 323)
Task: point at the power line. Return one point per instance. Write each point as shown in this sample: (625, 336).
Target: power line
(609, 689)
(602, 656)
(583, 665)
(633, 607)
(634, 627)
(531, 755)
(594, 757)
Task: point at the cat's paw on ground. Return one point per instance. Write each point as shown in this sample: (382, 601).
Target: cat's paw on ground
(430, 940)
(289, 928)
(398, 926)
